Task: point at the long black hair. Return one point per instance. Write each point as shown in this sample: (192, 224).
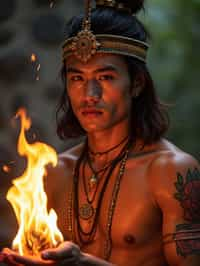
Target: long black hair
(149, 117)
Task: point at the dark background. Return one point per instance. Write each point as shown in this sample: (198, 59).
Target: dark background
(36, 27)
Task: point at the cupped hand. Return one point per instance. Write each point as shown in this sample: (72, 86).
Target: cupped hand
(12, 258)
(66, 254)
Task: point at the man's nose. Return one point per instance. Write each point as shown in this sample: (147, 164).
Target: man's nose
(93, 89)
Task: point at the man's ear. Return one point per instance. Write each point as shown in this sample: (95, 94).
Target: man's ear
(137, 85)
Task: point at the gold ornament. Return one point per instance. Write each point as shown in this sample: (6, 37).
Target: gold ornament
(93, 182)
(86, 44)
(86, 211)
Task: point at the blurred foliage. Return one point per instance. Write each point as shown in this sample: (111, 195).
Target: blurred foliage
(174, 61)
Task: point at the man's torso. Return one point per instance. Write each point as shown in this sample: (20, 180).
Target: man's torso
(136, 229)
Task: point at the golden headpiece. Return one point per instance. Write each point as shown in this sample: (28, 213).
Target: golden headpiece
(86, 44)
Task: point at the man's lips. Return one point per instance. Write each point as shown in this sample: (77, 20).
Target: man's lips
(91, 112)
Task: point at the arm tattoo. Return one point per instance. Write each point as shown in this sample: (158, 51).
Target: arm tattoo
(187, 236)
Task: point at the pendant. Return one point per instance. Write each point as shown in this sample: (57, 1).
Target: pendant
(93, 182)
(86, 211)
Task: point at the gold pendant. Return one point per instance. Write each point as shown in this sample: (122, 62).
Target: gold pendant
(93, 182)
(86, 211)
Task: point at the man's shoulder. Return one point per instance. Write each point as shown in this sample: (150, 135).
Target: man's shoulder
(70, 155)
(66, 161)
(172, 158)
(171, 163)
(61, 174)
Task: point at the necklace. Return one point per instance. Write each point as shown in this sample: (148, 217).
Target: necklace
(108, 241)
(86, 211)
(92, 190)
(74, 209)
(93, 181)
(109, 150)
(87, 237)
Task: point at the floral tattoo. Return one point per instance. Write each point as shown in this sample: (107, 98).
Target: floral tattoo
(187, 236)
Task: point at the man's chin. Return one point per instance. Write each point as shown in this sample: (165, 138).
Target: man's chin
(92, 128)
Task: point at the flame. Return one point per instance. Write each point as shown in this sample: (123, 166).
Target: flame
(33, 58)
(6, 168)
(37, 228)
(38, 66)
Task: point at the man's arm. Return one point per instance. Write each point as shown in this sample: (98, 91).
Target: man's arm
(176, 180)
(67, 253)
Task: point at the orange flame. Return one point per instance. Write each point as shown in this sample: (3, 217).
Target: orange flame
(37, 228)
(33, 58)
(6, 169)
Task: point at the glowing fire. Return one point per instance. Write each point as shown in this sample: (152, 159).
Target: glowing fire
(37, 228)
(6, 168)
(33, 58)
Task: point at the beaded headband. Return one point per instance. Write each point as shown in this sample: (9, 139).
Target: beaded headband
(86, 44)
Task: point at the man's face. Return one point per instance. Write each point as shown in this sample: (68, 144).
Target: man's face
(99, 91)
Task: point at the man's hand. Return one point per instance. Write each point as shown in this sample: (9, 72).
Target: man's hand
(66, 254)
(7, 258)
(12, 258)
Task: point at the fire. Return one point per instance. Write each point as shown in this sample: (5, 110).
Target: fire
(33, 58)
(6, 169)
(37, 228)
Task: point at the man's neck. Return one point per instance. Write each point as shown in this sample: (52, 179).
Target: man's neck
(111, 140)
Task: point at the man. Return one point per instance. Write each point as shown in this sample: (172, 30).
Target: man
(124, 196)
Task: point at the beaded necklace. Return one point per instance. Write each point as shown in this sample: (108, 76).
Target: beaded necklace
(93, 181)
(73, 202)
(109, 150)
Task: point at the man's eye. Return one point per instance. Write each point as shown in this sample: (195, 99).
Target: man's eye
(106, 77)
(76, 78)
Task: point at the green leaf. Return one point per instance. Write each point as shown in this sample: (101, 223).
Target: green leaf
(180, 179)
(178, 187)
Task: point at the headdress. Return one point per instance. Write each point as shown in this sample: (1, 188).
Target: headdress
(86, 44)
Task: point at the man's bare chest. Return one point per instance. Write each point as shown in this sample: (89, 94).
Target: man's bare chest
(130, 214)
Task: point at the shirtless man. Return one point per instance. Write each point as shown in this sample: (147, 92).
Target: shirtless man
(125, 195)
